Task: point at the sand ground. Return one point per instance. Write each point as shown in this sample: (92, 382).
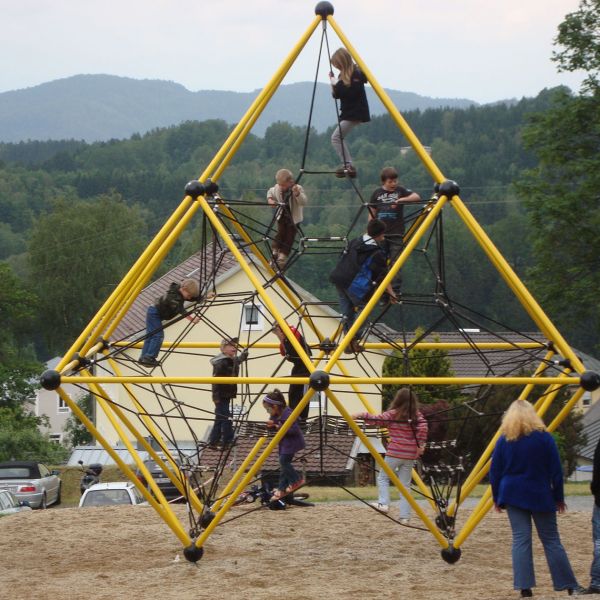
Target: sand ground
(329, 551)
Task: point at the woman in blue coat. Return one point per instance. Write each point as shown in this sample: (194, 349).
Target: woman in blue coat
(526, 478)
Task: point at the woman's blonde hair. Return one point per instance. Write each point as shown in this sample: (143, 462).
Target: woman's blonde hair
(342, 60)
(520, 419)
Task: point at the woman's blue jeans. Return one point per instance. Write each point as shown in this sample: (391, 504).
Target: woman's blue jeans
(595, 570)
(522, 555)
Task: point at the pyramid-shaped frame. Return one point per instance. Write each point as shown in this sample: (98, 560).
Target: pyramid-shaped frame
(95, 340)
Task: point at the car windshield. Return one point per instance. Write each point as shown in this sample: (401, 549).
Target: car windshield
(106, 498)
(18, 473)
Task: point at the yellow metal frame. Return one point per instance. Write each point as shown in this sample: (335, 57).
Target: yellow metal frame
(92, 339)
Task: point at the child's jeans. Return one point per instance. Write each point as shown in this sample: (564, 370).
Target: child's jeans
(287, 473)
(154, 333)
(403, 469)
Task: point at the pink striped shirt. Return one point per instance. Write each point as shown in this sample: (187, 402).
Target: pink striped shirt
(406, 437)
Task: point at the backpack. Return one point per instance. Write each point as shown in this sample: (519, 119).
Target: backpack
(363, 283)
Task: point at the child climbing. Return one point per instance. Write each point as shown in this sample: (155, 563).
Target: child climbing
(292, 442)
(288, 198)
(349, 89)
(166, 308)
(407, 429)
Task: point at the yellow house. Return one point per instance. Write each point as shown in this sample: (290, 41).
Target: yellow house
(182, 413)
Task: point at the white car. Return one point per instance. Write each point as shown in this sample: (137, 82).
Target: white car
(111, 494)
(9, 504)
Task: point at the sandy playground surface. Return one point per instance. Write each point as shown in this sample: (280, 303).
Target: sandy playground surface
(329, 551)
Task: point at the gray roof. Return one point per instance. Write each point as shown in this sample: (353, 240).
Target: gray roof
(591, 429)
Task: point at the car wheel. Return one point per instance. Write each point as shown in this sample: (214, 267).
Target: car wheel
(44, 502)
(58, 496)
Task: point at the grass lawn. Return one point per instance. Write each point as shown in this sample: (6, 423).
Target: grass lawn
(71, 475)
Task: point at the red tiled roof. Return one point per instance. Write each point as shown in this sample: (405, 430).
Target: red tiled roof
(327, 451)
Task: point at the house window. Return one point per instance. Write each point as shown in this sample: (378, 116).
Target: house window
(586, 399)
(62, 406)
(55, 438)
(252, 316)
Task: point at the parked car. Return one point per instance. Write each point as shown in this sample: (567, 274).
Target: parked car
(111, 494)
(166, 486)
(9, 504)
(31, 481)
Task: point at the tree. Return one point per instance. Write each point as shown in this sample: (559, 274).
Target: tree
(78, 254)
(77, 434)
(579, 36)
(561, 193)
(420, 363)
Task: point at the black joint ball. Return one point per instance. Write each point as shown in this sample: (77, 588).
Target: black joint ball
(324, 9)
(589, 381)
(193, 553)
(211, 187)
(449, 189)
(50, 379)
(207, 518)
(319, 381)
(436, 188)
(451, 554)
(194, 189)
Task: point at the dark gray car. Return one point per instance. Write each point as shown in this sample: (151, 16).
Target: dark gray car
(31, 481)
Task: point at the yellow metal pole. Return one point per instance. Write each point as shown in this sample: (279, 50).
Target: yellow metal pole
(175, 526)
(147, 422)
(238, 474)
(166, 511)
(252, 471)
(527, 300)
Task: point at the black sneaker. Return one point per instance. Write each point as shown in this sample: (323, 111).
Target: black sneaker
(592, 590)
(148, 361)
(526, 593)
(578, 591)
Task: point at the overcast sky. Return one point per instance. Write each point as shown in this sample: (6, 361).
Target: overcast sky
(478, 49)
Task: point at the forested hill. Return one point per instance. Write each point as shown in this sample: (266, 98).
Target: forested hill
(75, 216)
(103, 107)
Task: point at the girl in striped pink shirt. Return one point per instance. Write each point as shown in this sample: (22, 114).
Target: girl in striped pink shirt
(407, 429)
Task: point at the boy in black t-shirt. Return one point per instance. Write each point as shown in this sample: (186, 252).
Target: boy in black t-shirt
(387, 204)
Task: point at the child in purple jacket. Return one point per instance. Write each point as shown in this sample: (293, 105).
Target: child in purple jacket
(290, 443)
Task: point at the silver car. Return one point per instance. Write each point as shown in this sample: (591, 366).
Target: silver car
(31, 481)
(9, 504)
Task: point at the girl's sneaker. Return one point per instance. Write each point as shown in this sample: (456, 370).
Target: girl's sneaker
(384, 508)
(294, 486)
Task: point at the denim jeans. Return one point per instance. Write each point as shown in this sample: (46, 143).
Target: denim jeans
(522, 555)
(287, 473)
(402, 467)
(154, 333)
(222, 424)
(349, 309)
(595, 570)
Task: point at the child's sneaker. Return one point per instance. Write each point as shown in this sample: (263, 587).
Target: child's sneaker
(148, 361)
(384, 508)
(294, 486)
(276, 495)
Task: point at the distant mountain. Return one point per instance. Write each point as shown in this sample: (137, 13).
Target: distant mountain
(103, 107)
